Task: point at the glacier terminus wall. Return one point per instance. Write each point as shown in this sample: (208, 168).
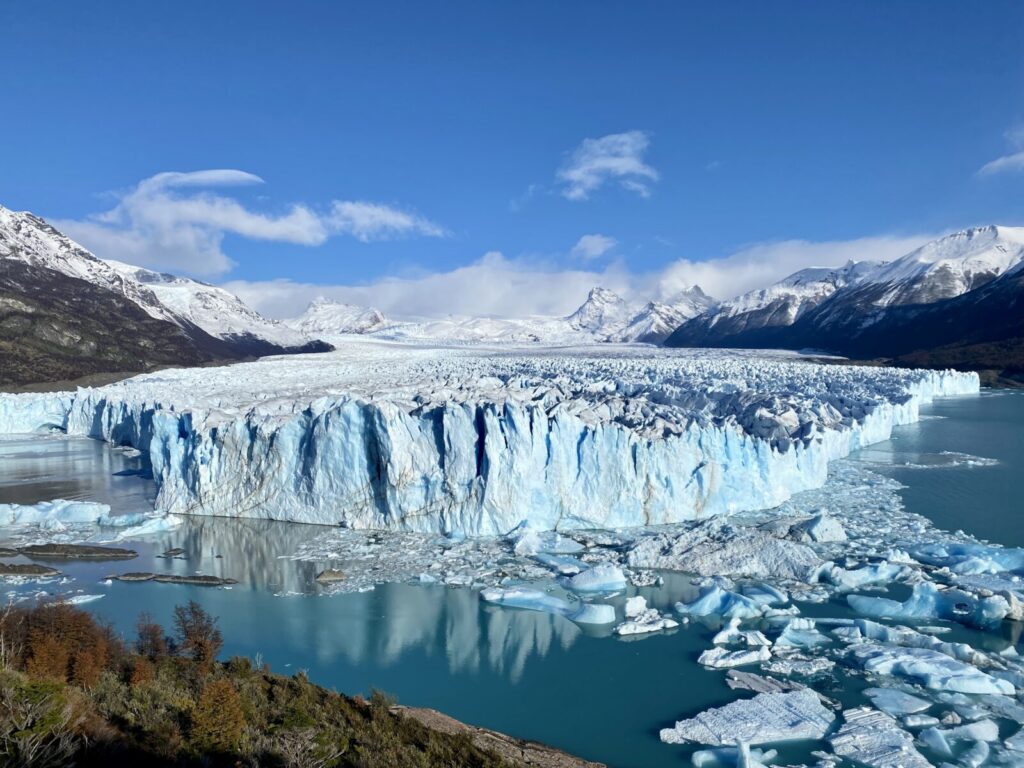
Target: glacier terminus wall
(476, 441)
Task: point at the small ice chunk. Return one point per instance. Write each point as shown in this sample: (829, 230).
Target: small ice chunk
(801, 633)
(920, 721)
(934, 739)
(648, 621)
(564, 565)
(975, 755)
(800, 667)
(873, 738)
(820, 528)
(732, 633)
(635, 606)
(877, 573)
(766, 718)
(722, 658)
(536, 600)
(603, 577)
(715, 601)
(896, 702)
(741, 757)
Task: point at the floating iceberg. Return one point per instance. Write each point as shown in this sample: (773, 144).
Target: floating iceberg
(641, 620)
(968, 558)
(722, 658)
(873, 738)
(801, 633)
(878, 573)
(716, 601)
(930, 602)
(895, 702)
(48, 514)
(386, 436)
(930, 668)
(764, 719)
(603, 577)
(536, 600)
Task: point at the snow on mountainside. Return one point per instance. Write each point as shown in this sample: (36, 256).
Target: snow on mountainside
(964, 290)
(329, 318)
(30, 240)
(950, 266)
(604, 316)
(26, 238)
(791, 297)
(217, 311)
(602, 313)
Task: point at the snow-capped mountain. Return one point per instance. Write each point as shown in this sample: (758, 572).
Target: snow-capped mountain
(604, 312)
(781, 304)
(65, 313)
(28, 239)
(603, 317)
(962, 290)
(950, 266)
(324, 317)
(656, 320)
(217, 311)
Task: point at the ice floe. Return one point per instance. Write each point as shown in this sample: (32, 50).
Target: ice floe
(873, 738)
(764, 719)
(538, 600)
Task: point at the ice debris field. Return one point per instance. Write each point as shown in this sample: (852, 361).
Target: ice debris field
(576, 482)
(386, 436)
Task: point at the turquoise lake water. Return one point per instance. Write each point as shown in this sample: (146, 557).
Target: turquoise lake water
(528, 674)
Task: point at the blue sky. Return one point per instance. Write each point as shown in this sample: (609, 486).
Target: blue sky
(408, 151)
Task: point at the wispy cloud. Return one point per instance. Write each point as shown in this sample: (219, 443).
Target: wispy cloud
(591, 247)
(171, 221)
(373, 221)
(496, 285)
(1011, 162)
(617, 157)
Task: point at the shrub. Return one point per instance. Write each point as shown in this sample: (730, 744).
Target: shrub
(219, 720)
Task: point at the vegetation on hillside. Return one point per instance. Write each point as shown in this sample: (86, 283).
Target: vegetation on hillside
(74, 693)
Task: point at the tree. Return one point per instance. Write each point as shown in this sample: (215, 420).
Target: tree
(197, 633)
(150, 641)
(218, 720)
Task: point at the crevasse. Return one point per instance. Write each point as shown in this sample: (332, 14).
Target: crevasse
(472, 463)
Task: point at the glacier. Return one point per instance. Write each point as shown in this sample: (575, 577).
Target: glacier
(477, 441)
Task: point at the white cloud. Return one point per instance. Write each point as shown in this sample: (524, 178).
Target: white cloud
(1011, 162)
(591, 247)
(498, 286)
(616, 157)
(373, 221)
(157, 225)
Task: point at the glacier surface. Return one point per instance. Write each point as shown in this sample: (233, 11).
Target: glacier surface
(476, 441)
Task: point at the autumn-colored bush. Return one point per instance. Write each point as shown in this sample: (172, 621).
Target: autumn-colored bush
(219, 719)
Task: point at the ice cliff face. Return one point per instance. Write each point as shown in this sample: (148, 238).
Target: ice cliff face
(389, 436)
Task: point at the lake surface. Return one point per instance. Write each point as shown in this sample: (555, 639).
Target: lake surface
(528, 674)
